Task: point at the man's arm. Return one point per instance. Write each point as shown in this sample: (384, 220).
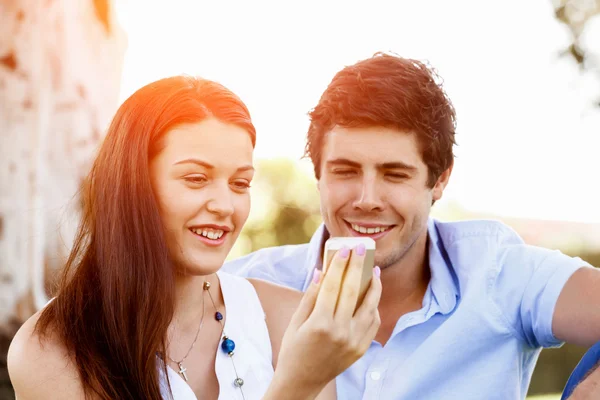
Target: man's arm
(547, 297)
(576, 316)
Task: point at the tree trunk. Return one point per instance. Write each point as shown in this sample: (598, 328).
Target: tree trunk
(60, 70)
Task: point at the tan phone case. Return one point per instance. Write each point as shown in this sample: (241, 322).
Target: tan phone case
(332, 245)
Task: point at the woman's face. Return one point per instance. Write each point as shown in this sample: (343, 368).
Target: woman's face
(201, 180)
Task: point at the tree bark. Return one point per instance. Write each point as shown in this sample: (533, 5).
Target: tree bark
(60, 73)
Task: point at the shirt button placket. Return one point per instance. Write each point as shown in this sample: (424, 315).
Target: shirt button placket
(373, 383)
(374, 378)
(376, 375)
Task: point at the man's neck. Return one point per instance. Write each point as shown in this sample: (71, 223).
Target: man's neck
(409, 275)
(404, 285)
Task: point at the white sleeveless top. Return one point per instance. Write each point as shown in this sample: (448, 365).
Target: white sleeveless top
(245, 325)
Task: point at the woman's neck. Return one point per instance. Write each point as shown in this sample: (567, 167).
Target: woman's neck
(191, 299)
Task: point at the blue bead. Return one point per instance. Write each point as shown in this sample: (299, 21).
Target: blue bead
(228, 345)
(218, 316)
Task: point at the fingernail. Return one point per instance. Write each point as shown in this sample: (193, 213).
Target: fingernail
(361, 250)
(344, 252)
(316, 276)
(377, 272)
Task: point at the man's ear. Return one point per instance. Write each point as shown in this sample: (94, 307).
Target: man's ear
(442, 182)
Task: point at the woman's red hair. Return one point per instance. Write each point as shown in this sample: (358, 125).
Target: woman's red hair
(115, 299)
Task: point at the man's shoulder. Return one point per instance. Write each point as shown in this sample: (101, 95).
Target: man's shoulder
(285, 265)
(500, 241)
(459, 232)
(477, 243)
(476, 247)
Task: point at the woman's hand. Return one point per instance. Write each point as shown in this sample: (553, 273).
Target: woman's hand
(325, 335)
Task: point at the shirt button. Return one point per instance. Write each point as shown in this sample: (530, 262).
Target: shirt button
(375, 375)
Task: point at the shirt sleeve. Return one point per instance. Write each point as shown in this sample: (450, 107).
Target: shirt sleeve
(258, 265)
(282, 265)
(527, 287)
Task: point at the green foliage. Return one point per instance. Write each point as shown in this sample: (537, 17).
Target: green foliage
(576, 16)
(285, 207)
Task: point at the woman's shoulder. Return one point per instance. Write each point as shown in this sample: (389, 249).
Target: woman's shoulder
(39, 365)
(280, 304)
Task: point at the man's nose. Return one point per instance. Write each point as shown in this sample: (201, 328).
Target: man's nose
(370, 196)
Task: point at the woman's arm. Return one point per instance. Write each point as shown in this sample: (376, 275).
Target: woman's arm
(317, 338)
(279, 304)
(329, 393)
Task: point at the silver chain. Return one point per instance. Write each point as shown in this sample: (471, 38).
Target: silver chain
(195, 339)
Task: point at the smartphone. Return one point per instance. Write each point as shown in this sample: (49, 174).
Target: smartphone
(332, 245)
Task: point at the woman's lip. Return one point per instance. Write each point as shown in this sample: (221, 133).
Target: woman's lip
(210, 242)
(212, 226)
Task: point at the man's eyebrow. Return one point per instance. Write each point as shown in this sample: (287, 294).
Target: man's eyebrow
(343, 161)
(397, 165)
(386, 165)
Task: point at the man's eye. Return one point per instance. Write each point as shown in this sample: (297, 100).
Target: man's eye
(343, 172)
(397, 176)
(242, 184)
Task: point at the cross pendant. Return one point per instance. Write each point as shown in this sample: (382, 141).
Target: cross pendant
(182, 371)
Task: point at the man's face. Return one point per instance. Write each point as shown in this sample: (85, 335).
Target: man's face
(373, 183)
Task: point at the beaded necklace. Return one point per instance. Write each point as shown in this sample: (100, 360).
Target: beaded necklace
(227, 345)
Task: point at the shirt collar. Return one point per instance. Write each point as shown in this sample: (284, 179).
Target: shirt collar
(444, 283)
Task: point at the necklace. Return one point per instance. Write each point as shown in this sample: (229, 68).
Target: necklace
(182, 369)
(227, 345)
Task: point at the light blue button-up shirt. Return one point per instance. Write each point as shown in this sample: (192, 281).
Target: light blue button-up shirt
(486, 314)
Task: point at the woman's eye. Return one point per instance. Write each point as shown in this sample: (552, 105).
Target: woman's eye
(195, 179)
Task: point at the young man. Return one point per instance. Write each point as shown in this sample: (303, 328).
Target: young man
(466, 307)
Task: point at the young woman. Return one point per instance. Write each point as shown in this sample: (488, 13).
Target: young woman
(142, 311)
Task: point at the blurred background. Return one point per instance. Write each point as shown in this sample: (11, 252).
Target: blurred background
(524, 77)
